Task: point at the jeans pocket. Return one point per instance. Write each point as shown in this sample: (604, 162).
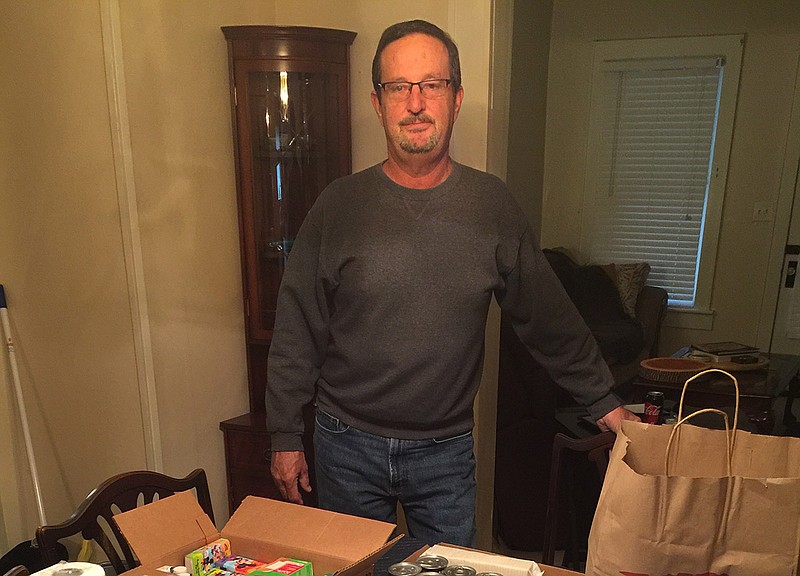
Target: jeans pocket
(330, 423)
(463, 435)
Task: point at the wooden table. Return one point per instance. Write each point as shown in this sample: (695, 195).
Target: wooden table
(766, 398)
(554, 571)
(759, 391)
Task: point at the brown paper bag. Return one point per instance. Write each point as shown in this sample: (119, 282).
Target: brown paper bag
(711, 511)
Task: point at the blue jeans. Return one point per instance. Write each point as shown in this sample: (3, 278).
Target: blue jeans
(367, 475)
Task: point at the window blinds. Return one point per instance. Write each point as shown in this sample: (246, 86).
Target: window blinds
(656, 142)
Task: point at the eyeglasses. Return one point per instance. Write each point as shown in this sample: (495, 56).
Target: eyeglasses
(399, 91)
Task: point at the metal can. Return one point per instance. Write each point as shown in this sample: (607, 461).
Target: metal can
(429, 573)
(488, 574)
(459, 570)
(405, 569)
(653, 404)
(432, 563)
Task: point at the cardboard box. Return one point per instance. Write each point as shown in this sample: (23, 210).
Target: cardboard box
(556, 571)
(490, 562)
(164, 531)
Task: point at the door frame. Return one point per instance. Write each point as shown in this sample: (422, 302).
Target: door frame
(784, 216)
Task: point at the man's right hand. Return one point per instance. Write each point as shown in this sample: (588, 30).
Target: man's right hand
(289, 469)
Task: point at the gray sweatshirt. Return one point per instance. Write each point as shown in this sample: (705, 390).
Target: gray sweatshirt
(382, 308)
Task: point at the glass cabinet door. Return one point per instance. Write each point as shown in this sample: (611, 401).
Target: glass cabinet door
(290, 132)
(290, 111)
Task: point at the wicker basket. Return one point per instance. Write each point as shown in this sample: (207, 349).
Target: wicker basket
(671, 369)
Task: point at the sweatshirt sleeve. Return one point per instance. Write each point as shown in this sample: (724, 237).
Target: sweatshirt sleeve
(299, 339)
(549, 325)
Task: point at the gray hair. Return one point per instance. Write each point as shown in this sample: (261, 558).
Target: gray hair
(402, 29)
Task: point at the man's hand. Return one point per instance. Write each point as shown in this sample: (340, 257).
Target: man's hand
(289, 469)
(613, 420)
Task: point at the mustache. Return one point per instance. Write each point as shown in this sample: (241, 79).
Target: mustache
(416, 118)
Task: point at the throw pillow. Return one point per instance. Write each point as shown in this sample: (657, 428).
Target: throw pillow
(629, 279)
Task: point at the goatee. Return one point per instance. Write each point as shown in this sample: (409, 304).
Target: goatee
(415, 148)
(408, 145)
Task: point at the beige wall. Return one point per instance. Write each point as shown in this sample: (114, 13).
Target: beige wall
(528, 105)
(72, 258)
(741, 290)
(61, 261)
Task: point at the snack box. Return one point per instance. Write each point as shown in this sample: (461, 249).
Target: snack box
(491, 562)
(164, 531)
(286, 567)
(239, 564)
(202, 562)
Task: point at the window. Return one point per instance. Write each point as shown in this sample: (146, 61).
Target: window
(659, 138)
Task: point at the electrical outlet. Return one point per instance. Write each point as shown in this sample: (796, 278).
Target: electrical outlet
(762, 212)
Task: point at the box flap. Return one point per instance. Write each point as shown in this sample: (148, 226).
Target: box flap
(363, 566)
(266, 529)
(163, 531)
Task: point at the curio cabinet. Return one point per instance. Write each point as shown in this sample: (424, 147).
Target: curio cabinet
(290, 103)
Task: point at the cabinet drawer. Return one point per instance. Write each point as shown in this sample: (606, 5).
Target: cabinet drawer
(247, 451)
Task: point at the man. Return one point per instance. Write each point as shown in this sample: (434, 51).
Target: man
(382, 312)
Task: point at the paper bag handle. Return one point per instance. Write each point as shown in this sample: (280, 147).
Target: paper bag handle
(735, 385)
(728, 434)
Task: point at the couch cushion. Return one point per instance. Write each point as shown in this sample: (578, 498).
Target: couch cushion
(597, 299)
(629, 278)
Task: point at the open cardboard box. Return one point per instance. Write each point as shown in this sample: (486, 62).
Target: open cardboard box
(163, 532)
(490, 562)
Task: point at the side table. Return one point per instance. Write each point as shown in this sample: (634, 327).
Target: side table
(248, 456)
(759, 392)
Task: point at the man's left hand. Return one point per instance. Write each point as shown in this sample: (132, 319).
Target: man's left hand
(613, 420)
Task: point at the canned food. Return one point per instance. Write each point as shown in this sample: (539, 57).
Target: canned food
(459, 570)
(432, 563)
(405, 569)
(488, 574)
(429, 573)
(69, 571)
(653, 403)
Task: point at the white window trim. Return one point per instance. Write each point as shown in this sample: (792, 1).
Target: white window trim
(728, 46)
(689, 318)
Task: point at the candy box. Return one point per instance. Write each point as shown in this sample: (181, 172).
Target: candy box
(202, 561)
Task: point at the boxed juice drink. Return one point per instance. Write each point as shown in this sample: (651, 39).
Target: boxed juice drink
(240, 564)
(285, 567)
(200, 562)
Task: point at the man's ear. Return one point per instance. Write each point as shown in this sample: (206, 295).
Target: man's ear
(376, 104)
(459, 99)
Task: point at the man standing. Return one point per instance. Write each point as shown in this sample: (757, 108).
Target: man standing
(382, 312)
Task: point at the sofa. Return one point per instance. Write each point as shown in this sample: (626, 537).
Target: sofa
(625, 318)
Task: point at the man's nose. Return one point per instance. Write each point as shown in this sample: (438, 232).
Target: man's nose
(416, 101)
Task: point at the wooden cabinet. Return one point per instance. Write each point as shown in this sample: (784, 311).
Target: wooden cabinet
(247, 459)
(290, 103)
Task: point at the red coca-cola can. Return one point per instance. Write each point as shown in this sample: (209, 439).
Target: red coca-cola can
(653, 404)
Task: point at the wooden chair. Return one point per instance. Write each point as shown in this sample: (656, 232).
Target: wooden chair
(596, 448)
(17, 571)
(93, 518)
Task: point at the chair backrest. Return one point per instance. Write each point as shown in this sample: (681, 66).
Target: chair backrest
(17, 571)
(596, 448)
(93, 518)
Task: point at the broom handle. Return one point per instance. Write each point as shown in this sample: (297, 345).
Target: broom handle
(21, 404)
